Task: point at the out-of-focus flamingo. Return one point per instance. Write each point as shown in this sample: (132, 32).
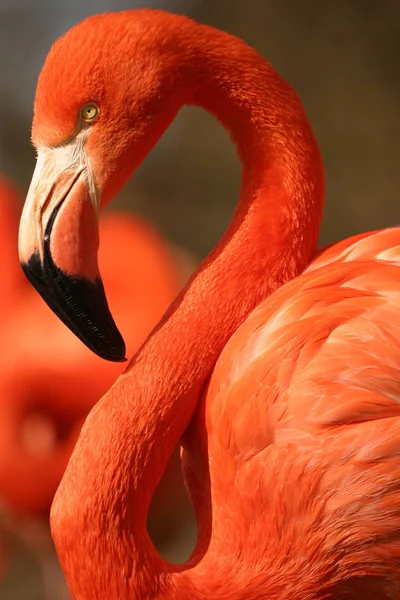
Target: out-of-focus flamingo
(293, 455)
(49, 380)
(12, 285)
(10, 272)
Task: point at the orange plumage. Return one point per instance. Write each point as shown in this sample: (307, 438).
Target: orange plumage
(291, 447)
(307, 392)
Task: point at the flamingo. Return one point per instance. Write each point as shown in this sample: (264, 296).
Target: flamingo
(47, 385)
(12, 285)
(10, 272)
(43, 405)
(277, 366)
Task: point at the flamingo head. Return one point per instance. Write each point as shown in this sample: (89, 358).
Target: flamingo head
(105, 95)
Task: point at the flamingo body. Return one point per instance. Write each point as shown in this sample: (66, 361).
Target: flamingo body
(302, 417)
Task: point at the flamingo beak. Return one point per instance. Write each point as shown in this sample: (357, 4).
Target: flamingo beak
(58, 244)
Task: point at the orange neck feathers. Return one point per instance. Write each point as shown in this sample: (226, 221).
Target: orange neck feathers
(99, 513)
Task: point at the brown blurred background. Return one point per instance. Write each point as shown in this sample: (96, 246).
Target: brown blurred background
(343, 58)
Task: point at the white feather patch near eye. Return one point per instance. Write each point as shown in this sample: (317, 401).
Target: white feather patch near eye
(71, 156)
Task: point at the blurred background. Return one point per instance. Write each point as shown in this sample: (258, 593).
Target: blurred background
(343, 58)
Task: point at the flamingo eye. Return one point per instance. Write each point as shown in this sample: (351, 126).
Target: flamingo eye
(90, 112)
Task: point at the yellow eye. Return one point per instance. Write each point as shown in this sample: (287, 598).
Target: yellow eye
(90, 112)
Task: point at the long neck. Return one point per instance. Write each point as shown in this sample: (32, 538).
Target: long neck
(99, 513)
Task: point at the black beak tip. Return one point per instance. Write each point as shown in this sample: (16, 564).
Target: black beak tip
(80, 303)
(110, 349)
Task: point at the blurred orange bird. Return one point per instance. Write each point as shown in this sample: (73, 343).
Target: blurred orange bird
(43, 404)
(49, 381)
(286, 401)
(10, 272)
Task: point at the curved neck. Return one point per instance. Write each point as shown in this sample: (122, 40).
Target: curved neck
(101, 506)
